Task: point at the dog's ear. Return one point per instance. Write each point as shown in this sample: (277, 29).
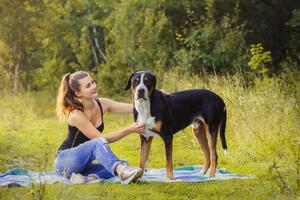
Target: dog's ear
(129, 82)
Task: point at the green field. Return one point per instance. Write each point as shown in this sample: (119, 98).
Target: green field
(263, 137)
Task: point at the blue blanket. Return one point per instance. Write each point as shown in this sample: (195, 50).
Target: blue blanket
(21, 177)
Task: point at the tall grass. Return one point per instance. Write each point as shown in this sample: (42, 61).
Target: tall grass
(263, 129)
(262, 133)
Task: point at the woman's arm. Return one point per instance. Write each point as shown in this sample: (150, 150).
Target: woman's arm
(81, 121)
(116, 107)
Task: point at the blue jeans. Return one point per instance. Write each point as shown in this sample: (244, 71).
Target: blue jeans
(80, 160)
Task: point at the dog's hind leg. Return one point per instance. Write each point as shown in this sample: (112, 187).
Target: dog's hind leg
(145, 151)
(212, 142)
(200, 135)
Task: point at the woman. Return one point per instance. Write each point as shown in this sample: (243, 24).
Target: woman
(77, 100)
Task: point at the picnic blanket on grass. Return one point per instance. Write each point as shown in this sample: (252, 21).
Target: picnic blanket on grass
(23, 177)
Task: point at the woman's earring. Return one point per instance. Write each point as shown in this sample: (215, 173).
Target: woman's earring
(79, 99)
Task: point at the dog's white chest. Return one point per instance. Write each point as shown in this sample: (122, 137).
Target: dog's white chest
(144, 117)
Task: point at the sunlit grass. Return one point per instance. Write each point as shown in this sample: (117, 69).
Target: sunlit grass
(262, 135)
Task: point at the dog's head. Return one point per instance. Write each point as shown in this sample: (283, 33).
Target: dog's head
(142, 84)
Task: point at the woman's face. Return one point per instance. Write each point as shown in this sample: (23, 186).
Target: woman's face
(88, 88)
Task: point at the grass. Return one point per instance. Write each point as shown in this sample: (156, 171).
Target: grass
(231, 189)
(262, 133)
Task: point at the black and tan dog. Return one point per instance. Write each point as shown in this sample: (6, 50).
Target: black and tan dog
(165, 114)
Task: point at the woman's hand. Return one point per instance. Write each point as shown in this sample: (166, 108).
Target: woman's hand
(136, 128)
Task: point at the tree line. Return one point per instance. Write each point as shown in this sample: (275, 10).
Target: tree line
(42, 40)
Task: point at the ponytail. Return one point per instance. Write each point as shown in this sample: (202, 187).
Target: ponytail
(66, 97)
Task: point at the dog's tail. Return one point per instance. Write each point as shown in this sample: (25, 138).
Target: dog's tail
(222, 131)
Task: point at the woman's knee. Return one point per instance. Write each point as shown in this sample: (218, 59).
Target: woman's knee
(101, 144)
(100, 141)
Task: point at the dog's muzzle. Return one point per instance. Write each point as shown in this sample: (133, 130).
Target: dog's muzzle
(141, 94)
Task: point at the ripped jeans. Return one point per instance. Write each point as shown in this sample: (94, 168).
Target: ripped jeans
(80, 160)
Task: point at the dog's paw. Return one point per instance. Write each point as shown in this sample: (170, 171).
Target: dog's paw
(212, 172)
(203, 171)
(170, 178)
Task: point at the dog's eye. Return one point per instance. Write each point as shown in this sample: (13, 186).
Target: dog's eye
(136, 81)
(147, 83)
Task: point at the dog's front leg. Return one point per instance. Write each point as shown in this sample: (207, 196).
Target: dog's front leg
(145, 150)
(169, 162)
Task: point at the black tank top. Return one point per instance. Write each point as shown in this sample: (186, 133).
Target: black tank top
(76, 137)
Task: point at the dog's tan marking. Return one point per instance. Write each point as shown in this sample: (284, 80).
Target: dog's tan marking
(208, 143)
(132, 90)
(157, 126)
(169, 167)
(169, 158)
(212, 142)
(145, 151)
(200, 135)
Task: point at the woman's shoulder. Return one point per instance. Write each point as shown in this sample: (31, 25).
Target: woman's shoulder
(105, 103)
(76, 116)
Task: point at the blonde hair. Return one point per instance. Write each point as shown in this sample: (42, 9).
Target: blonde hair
(66, 98)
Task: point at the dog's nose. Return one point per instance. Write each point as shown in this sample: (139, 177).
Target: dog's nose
(141, 93)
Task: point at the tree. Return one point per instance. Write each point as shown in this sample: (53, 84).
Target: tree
(135, 33)
(212, 44)
(17, 19)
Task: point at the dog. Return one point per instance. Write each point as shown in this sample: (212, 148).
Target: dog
(165, 114)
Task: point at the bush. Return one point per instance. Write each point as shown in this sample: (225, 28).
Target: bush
(212, 45)
(135, 33)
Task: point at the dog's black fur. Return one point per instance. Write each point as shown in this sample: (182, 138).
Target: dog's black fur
(176, 111)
